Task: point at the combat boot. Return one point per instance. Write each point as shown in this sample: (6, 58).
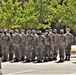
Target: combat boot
(66, 58)
(61, 60)
(54, 58)
(28, 60)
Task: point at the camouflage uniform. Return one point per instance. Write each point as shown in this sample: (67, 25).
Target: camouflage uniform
(23, 45)
(11, 48)
(62, 43)
(17, 40)
(53, 44)
(55, 47)
(34, 50)
(70, 42)
(1, 33)
(40, 46)
(29, 45)
(47, 46)
(5, 42)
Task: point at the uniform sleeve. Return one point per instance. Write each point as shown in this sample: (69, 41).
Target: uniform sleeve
(33, 40)
(66, 41)
(54, 39)
(13, 39)
(20, 40)
(1, 39)
(9, 39)
(44, 41)
(58, 41)
(72, 39)
(51, 40)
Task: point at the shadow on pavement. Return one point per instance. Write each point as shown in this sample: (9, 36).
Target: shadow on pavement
(74, 62)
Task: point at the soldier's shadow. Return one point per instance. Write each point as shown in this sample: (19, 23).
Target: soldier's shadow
(56, 62)
(13, 61)
(35, 62)
(25, 62)
(74, 62)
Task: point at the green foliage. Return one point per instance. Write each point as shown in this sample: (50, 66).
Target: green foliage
(37, 13)
(65, 14)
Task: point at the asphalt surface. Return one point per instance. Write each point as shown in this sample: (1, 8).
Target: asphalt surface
(46, 68)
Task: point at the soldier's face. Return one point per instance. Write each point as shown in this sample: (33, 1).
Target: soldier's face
(22, 32)
(50, 32)
(67, 31)
(46, 33)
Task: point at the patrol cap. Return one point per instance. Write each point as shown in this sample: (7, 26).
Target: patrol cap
(39, 32)
(22, 30)
(29, 31)
(46, 30)
(61, 30)
(54, 30)
(16, 30)
(11, 31)
(5, 30)
(50, 30)
(33, 31)
(1, 30)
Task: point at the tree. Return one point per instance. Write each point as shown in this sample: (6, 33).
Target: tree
(10, 14)
(65, 13)
(37, 13)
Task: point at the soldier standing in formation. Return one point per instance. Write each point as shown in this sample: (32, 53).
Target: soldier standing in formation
(17, 40)
(40, 46)
(1, 33)
(70, 42)
(55, 46)
(11, 48)
(48, 44)
(5, 42)
(34, 50)
(23, 45)
(62, 44)
(29, 46)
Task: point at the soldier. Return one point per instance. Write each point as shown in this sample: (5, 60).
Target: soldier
(17, 40)
(34, 33)
(1, 33)
(70, 42)
(47, 46)
(29, 46)
(11, 45)
(23, 45)
(62, 43)
(52, 45)
(55, 46)
(40, 46)
(34, 50)
(5, 42)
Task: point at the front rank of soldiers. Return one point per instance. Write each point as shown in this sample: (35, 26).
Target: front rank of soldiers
(18, 45)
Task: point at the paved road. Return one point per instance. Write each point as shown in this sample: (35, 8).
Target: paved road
(47, 68)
